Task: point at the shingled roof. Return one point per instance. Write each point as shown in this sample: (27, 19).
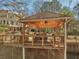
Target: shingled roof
(43, 15)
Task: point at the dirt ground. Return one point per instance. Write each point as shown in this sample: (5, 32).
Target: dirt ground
(16, 53)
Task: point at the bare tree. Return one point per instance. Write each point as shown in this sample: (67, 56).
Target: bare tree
(17, 6)
(47, 6)
(37, 5)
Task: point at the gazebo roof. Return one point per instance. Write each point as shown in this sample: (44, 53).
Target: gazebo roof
(44, 15)
(45, 19)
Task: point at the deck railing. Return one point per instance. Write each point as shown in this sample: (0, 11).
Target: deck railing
(33, 40)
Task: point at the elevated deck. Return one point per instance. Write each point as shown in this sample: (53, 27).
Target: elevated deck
(16, 41)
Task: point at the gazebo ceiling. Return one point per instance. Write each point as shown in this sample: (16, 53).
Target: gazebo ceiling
(45, 19)
(45, 24)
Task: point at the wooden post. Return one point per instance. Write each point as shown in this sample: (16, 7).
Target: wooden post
(23, 33)
(65, 34)
(23, 38)
(48, 53)
(23, 53)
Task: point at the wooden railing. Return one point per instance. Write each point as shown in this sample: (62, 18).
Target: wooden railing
(10, 38)
(73, 44)
(33, 40)
(71, 39)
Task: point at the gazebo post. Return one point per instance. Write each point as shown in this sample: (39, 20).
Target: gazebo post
(65, 29)
(23, 33)
(23, 53)
(23, 38)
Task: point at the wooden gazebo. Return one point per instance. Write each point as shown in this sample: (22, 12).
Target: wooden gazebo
(43, 21)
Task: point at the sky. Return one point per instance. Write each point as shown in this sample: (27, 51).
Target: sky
(30, 2)
(69, 4)
(65, 2)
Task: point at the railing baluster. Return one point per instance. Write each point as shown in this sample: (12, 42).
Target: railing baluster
(1, 39)
(4, 37)
(42, 41)
(11, 38)
(53, 41)
(33, 41)
(18, 39)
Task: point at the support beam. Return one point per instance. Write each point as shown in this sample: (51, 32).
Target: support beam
(48, 53)
(23, 53)
(23, 38)
(23, 33)
(65, 28)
